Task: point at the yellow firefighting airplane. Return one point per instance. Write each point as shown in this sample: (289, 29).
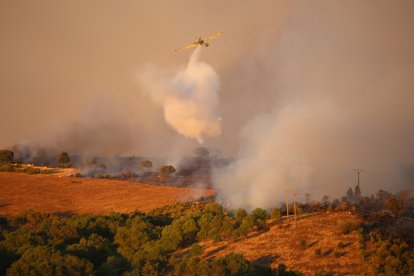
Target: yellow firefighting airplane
(200, 42)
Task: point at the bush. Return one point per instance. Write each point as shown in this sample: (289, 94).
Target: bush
(64, 159)
(146, 164)
(302, 244)
(120, 244)
(259, 217)
(19, 169)
(7, 168)
(240, 214)
(214, 208)
(275, 214)
(6, 156)
(47, 261)
(341, 245)
(260, 214)
(318, 252)
(196, 250)
(348, 227)
(167, 170)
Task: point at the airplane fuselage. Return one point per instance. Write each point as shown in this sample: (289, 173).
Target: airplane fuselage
(201, 42)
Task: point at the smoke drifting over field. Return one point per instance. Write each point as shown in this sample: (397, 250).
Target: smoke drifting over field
(344, 102)
(189, 100)
(309, 90)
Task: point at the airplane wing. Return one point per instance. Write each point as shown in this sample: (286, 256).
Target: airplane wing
(186, 47)
(213, 36)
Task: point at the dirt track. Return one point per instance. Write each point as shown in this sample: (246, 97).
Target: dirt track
(52, 194)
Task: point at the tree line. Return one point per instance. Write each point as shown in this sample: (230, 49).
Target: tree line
(121, 244)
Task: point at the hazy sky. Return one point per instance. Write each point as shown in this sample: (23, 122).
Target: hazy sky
(61, 59)
(308, 88)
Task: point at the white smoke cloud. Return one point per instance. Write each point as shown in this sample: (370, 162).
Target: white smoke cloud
(189, 99)
(280, 152)
(339, 105)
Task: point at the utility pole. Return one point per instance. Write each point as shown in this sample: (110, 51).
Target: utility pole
(294, 206)
(357, 188)
(287, 206)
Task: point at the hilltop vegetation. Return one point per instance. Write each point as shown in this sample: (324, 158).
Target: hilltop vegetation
(156, 171)
(137, 244)
(21, 169)
(201, 238)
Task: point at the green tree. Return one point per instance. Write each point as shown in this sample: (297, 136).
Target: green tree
(350, 194)
(236, 264)
(64, 159)
(6, 156)
(275, 214)
(260, 214)
(167, 170)
(146, 164)
(196, 250)
(394, 205)
(214, 208)
(244, 228)
(189, 229)
(47, 261)
(240, 214)
(133, 236)
(171, 238)
(95, 248)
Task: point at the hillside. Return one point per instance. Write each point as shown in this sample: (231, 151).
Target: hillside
(282, 244)
(52, 194)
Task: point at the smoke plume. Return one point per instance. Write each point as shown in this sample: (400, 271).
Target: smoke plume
(316, 89)
(341, 102)
(189, 100)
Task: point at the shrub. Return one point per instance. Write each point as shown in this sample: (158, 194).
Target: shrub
(167, 170)
(146, 164)
(259, 217)
(196, 250)
(236, 264)
(7, 168)
(213, 207)
(302, 244)
(47, 261)
(318, 251)
(348, 227)
(241, 214)
(64, 159)
(6, 156)
(260, 214)
(120, 244)
(275, 214)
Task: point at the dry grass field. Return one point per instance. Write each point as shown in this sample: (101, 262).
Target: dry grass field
(54, 194)
(282, 244)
